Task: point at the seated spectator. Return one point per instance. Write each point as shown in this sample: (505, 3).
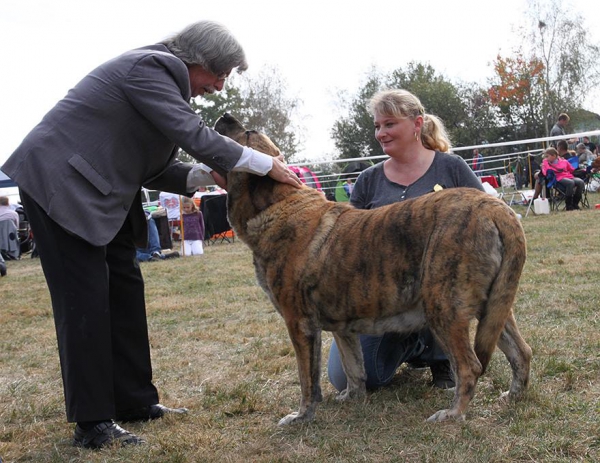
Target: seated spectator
(585, 155)
(153, 251)
(563, 151)
(7, 212)
(564, 175)
(538, 177)
(589, 145)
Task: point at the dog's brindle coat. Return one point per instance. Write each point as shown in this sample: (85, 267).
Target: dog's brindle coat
(442, 259)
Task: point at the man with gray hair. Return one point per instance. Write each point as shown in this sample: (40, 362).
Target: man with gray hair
(80, 172)
(7, 212)
(585, 155)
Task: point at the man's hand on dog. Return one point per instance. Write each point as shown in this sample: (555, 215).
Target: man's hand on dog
(219, 179)
(279, 172)
(282, 173)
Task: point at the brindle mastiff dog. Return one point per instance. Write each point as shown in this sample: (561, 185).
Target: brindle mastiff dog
(441, 260)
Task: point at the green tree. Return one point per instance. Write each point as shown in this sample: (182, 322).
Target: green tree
(259, 103)
(559, 38)
(353, 135)
(268, 108)
(438, 95)
(480, 124)
(517, 93)
(211, 107)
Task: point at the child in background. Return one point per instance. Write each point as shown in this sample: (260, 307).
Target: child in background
(193, 228)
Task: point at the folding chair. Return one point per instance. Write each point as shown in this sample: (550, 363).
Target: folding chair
(584, 203)
(216, 225)
(508, 184)
(555, 192)
(589, 177)
(592, 183)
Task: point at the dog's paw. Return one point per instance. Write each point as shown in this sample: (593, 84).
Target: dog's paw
(445, 415)
(294, 418)
(343, 396)
(350, 394)
(510, 397)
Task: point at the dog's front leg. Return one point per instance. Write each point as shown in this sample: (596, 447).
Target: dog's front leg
(354, 366)
(306, 338)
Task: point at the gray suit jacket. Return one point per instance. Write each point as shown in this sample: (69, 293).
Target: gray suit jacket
(114, 132)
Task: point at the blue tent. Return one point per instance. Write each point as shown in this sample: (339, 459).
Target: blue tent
(5, 180)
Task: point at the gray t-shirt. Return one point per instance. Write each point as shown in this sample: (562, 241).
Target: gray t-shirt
(557, 130)
(373, 189)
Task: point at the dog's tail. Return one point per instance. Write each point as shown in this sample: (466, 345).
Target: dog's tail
(503, 290)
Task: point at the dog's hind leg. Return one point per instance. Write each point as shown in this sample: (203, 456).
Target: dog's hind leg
(352, 360)
(519, 355)
(306, 339)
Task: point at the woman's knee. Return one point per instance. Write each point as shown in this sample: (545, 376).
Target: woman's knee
(335, 371)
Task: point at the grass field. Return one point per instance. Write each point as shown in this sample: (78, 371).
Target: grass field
(221, 350)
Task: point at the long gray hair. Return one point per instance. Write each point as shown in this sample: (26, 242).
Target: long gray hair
(210, 45)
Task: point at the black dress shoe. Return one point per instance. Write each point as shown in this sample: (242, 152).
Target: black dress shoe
(151, 412)
(104, 434)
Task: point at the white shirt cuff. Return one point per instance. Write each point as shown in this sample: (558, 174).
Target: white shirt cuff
(198, 176)
(254, 162)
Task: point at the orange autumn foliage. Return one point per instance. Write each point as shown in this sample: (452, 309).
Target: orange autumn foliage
(517, 76)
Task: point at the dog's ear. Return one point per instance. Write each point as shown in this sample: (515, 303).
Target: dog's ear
(260, 142)
(229, 126)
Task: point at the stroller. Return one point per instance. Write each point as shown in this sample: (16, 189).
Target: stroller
(26, 242)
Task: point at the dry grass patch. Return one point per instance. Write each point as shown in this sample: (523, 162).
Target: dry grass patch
(221, 350)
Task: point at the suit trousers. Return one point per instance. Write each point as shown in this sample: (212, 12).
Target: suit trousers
(99, 310)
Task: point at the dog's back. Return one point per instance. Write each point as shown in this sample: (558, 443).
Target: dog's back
(388, 259)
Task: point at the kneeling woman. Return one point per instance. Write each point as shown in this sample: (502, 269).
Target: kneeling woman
(419, 163)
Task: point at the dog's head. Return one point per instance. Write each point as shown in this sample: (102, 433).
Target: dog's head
(230, 127)
(248, 194)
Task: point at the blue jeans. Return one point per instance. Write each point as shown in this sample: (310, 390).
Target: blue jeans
(384, 354)
(144, 255)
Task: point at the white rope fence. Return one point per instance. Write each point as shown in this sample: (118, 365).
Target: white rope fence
(496, 163)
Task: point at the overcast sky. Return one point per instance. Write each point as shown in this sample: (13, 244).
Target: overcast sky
(319, 47)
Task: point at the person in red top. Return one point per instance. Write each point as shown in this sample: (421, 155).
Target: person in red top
(564, 175)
